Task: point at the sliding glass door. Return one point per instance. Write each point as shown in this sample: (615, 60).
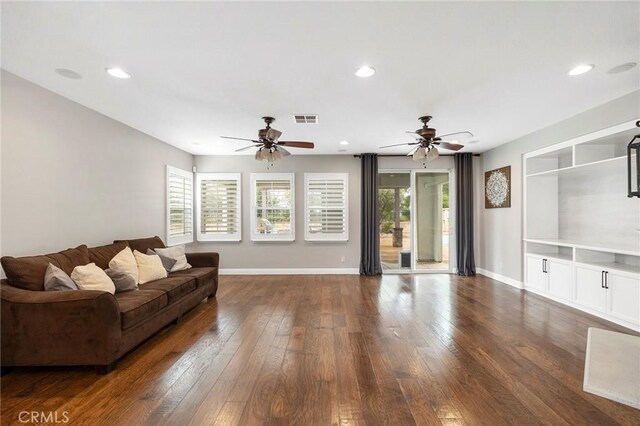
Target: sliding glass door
(432, 221)
(415, 220)
(394, 204)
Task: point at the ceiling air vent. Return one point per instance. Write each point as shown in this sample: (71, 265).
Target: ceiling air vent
(305, 118)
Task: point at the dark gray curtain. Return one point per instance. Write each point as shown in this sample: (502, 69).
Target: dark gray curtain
(370, 223)
(464, 213)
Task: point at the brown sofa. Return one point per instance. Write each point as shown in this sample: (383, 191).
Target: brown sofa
(87, 327)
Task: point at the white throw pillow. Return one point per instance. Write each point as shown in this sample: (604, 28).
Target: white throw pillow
(92, 277)
(125, 262)
(150, 267)
(177, 253)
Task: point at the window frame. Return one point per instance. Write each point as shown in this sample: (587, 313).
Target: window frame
(256, 236)
(326, 237)
(186, 238)
(237, 236)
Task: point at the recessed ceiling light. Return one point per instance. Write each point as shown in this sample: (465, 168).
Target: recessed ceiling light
(581, 69)
(622, 68)
(365, 71)
(68, 73)
(118, 73)
(344, 143)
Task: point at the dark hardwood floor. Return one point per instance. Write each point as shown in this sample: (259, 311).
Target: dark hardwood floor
(342, 350)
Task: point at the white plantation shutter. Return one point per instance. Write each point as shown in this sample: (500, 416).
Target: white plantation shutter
(326, 207)
(218, 202)
(272, 207)
(179, 206)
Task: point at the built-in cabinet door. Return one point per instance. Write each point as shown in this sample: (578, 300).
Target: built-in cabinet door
(536, 278)
(623, 296)
(560, 279)
(590, 292)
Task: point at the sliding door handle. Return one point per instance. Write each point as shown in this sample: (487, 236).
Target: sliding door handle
(602, 279)
(606, 279)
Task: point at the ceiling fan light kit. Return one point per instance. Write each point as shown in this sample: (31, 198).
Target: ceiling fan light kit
(433, 153)
(420, 154)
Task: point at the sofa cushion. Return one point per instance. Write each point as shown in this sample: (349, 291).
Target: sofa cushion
(55, 279)
(174, 287)
(122, 280)
(28, 272)
(203, 275)
(91, 277)
(150, 267)
(126, 262)
(102, 255)
(136, 306)
(177, 253)
(143, 244)
(167, 262)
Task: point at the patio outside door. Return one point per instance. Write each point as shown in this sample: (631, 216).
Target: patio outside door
(394, 204)
(432, 222)
(415, 220)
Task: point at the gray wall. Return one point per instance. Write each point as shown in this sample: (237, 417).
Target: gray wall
(501, 249)
(71, 175)
(248, 254)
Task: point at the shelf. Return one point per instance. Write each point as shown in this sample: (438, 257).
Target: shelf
(632, 251)
(557, 256)
(551, 172)
(613, 266)
(579, 166)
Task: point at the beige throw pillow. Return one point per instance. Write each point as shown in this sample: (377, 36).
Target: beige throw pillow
(177, 253)
(125, 261)
(91, 277)
(150, 267)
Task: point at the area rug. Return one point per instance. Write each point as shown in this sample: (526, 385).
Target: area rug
(612, 366)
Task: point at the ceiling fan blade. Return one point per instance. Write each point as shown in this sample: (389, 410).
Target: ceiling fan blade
(246, 147)
(449, 145)
(297, 144)
(465, 134)
(284, 152)
(273, 134)
(413, 150)
(241, 139)
(400, 144)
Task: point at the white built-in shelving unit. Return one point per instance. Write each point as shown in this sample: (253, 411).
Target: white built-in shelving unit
(581, 231)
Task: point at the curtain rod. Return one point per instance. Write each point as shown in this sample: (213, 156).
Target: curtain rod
(404, 155)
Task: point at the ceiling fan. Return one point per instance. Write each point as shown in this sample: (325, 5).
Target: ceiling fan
(427, 143)
(269, 147)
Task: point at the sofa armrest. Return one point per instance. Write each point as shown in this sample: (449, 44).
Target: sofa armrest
(199, 260)
(80, 327)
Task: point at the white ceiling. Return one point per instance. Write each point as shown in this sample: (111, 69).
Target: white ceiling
(201, 70)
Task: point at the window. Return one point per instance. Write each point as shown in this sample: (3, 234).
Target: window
(218, 207)
(179, 206)
(272, 207)
(326, 206)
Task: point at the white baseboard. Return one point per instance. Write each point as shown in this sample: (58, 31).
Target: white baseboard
(501, 278)
(290, 271)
